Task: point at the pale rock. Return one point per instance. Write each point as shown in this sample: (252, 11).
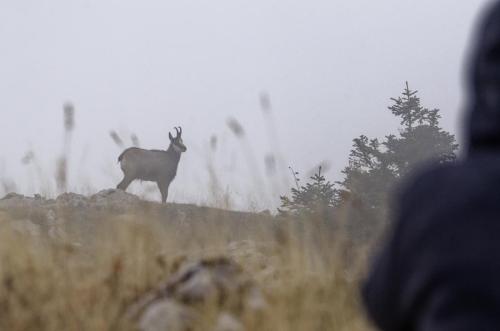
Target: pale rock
(114, 200)
(166, 315)
(227, 322)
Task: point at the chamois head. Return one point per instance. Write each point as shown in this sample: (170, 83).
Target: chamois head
(177, 142)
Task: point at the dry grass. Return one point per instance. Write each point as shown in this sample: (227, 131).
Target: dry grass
(88, 277)
(307, 270)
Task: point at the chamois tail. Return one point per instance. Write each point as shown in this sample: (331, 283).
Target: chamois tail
(120, 158)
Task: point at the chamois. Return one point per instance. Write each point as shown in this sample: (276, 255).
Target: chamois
(152, 165)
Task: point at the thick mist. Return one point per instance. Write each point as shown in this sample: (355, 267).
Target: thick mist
(302, 80)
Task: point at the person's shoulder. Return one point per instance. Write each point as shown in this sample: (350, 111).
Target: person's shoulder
(442, 195)
(459, 176)
(441, 189)
(429, 179)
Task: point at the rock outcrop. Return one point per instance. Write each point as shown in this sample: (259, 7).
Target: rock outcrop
(79, 214)
(38, 216)
(219, 283)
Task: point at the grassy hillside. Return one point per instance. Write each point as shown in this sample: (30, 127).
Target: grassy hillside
(78, 263)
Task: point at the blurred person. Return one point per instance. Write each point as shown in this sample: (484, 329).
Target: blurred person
(440, 269)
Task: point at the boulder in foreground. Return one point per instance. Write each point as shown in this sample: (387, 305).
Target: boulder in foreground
(219, 282)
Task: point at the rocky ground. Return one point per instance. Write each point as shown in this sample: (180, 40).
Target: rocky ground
(112, 261)
(220, 283)
(57, 217)
(174, 303)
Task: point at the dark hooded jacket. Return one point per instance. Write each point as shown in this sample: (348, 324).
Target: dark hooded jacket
(440, 269)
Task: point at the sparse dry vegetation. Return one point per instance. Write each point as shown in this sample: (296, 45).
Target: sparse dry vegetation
(87, 277)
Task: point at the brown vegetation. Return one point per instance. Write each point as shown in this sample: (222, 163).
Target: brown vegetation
(77, 263)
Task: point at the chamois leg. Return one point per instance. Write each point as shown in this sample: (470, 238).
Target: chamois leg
(124, 183)
(164, 191)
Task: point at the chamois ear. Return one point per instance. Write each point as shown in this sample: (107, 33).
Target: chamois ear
(170, 137)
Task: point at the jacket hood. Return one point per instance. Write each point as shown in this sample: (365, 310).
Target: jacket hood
(483, 125)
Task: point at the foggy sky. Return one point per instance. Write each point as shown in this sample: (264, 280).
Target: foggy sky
(330, 68)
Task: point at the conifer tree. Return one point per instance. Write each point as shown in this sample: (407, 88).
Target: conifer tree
(314, 199)
(375, 166)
